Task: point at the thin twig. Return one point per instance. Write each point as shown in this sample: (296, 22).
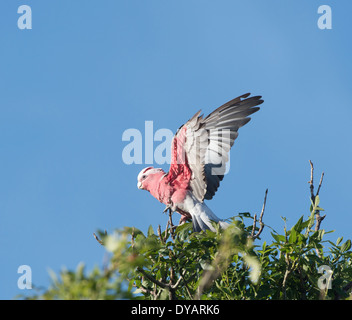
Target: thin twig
(320, 183)
(141, 287)
(319, 219)
(159, 234)
(311, 182)
(166, 230)
(291, 266)
(186, 283)
(174, 286)
(171, 226)
(254, 225)
(253, 234)
(132, 238)
(284, 282)
(152, 279)
(97, 238)
(169, 286)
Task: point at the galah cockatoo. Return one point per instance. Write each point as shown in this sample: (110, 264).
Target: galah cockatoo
(199, 154)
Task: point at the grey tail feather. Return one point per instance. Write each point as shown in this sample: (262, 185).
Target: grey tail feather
(199, 225)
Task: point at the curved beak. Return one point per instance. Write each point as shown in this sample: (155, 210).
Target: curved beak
(139, 185)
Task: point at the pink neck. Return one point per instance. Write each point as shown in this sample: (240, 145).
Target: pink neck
(158, 187)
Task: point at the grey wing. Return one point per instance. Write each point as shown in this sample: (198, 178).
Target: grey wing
(222, 126)
(209, 140)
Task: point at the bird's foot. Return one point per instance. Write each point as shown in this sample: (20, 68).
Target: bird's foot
(184, 219)
(168, 208)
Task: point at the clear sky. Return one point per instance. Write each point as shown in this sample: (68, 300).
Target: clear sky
(89, 70)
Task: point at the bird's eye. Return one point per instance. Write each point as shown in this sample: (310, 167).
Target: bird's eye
(143, 177)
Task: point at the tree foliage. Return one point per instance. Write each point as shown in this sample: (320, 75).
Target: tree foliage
(177, 263)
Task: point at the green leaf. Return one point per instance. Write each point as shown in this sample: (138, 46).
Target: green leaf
(183, 230)
(298, 225)
(338, 241)
(224, 290)
(245, 214)
(293, 236)
(150, 231)
(316, 201)
(305, 224)
(346, 246)
(311, 208)
(278, 237)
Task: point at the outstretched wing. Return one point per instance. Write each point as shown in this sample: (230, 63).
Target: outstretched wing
(201, 146)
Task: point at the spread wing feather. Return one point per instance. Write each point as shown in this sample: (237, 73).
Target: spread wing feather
(201, 146)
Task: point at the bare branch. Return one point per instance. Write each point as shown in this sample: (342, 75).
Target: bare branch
(186, 283)
(287, 272)
(171, 226)
(169, 286)
(254, 225)
(159, 234)
(97, 238)
(152, 279)
(320, 183)
(141, 287)
(311, 182)
(253, 234)
(174, 287)
(318, 217)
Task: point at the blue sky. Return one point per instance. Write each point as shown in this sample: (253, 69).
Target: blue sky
(89, 70)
